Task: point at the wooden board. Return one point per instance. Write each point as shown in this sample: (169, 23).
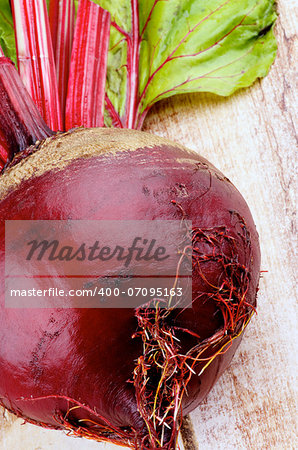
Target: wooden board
(251, 138)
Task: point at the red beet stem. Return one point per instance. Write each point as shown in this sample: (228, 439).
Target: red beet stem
(3, 144)
(62, 19)
(88, 69)
(3, 152)
(36, 59)
(20, 122)
(133, 48)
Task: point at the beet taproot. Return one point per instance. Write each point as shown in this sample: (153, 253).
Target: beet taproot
(52, 360)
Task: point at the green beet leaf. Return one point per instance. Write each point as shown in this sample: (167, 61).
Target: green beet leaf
(7, 40)
(190, 46)
(181, 46)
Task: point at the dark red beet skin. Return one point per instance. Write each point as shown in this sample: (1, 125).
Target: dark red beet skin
(88, 355)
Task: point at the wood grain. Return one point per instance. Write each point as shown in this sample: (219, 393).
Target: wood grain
(251, 138)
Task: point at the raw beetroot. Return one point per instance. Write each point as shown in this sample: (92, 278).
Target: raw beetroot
(98, 360)
(123, 375)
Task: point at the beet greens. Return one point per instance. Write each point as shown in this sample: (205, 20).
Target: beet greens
(157, 49)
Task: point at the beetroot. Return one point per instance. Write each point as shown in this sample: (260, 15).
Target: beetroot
(126, 375)
(91, 370)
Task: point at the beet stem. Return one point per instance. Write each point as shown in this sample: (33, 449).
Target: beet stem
(62, 20)
(88, 68)
(21, 124)
(133, 56)
(36, 59)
